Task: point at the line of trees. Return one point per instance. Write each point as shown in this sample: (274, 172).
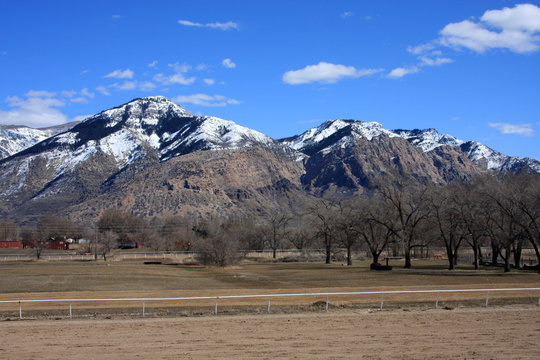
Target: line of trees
(398, 216)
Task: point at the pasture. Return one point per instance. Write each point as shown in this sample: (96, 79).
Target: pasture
(66, 279)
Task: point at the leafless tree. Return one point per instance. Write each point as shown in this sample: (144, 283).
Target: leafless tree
(106, 241)
(406, 208)
(276, 221)
(372, 231)
(446, 214)
(324, 223)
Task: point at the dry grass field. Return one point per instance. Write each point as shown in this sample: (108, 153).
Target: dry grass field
(135, 279)
(298, 328)
(509, 332)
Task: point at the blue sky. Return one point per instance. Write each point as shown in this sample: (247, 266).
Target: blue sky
(467, 68)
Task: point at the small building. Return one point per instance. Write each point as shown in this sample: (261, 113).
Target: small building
(11, 244)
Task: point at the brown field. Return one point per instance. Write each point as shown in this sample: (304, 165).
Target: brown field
(511, 332)
(409, 327)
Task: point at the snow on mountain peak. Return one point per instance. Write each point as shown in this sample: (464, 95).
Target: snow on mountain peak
(428, 139)
(332, 133)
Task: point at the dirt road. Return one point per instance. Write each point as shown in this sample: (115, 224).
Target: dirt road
(473, 333)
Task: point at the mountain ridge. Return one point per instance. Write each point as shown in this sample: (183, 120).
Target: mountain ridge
(153, 144)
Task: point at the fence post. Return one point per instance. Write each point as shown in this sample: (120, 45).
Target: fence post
(269, 304)
(437, 301)
(326, 308)
(143, 309)
(487, 299)
(70, 312)
(20, 310)
(215, 309)
(382, 299)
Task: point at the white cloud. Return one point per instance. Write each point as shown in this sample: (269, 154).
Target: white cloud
(437, 61)
(147, 85)
(126, 85)
(325, 73)
(153, 64)
(522, 17)
(228, 63)
(79, 100)
(205, 100)
(69, 93)
(217, 25)
(116, 16)
(120, 74)
(103, 90)
(515, 29)
(181, 68)
(347, 14)
(38, 109)
(87, 93)
(504, 128)
(401, 72)
(209, 81)
(174, 79)
(40, 93)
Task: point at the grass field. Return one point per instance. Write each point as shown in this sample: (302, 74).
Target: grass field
(135, 279)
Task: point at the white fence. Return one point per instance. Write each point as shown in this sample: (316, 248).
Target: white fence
(144, 301)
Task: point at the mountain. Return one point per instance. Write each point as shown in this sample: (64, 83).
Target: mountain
(14, 138)
(110, 148)
(480, 154)
(152, 157)
(343, 133)
(348, 155)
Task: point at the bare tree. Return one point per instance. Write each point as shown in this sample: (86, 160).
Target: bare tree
(347, 221)
(324, 222)
(373, 232)
(276, 221)
(106, 241)
(217, 243)
(406, 209)
(446, 214)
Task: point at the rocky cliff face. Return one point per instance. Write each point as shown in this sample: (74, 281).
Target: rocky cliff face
(152, 157)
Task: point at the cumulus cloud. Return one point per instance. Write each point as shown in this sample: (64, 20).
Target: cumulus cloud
(153, 64)
(347, 14)
(505, 128)
(205, 100)
(401, 72)
(325, 73)
(216, 25)
(228, 63)
(209, 81)
(516, 29)
(120, 74)
(37, 109)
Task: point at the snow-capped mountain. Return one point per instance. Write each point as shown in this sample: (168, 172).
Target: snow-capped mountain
(334, 133)
(428, 139)
(142, 131)
(146, 156)
(342, 133)
(14, 138)
(128, 132)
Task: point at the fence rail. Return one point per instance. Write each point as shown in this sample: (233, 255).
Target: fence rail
(143, 301)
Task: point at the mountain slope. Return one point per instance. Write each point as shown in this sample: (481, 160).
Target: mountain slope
(152, 157)
(14, 138)
(75, 165)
